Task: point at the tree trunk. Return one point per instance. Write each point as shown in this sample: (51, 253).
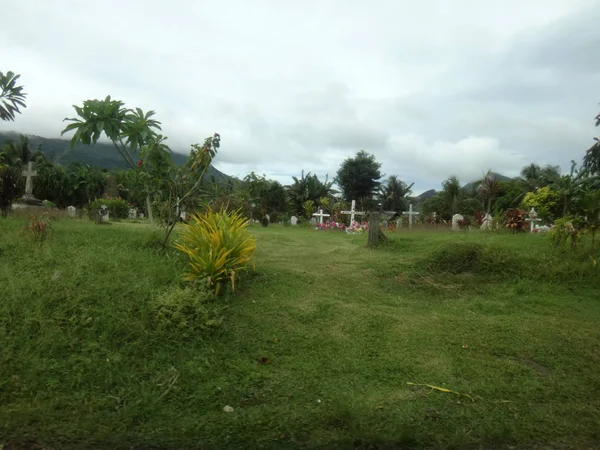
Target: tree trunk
(149, 208)
(376, 236)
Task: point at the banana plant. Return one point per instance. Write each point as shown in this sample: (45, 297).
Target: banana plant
(12, 96)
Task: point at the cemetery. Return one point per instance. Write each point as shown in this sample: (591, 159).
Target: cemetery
(158, 303)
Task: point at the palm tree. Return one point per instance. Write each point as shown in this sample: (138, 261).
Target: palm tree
(452, 193)
(393, 193)
(12, 96)
(488, 189)
(530, 176)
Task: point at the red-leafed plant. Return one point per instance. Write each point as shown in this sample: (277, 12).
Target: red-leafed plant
(38, 228)
(515, 220)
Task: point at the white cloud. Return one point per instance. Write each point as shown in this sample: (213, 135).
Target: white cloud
(432, 88)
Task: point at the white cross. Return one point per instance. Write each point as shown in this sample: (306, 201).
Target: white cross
(532, 219)
(320, 215)
(353, 212)
(410, 213)
(29, 173)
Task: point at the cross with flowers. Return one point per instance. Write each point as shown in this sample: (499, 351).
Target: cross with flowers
(320, 215)
(353, 212)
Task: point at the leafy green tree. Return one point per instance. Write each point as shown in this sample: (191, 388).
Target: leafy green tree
(268, 196)
(13, 158)
(393, 194)
(308, 187)
(545, 201)
(358, 177)
(12, 96)
(591, 206)
(452, 194)
(591, 160)
(509, 195)
(128, 129)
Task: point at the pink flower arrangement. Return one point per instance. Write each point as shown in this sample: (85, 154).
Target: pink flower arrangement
(356, 227)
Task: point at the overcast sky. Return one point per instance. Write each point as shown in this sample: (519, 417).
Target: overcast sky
(431, 87)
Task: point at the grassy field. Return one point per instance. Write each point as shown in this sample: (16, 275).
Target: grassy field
(316, 349)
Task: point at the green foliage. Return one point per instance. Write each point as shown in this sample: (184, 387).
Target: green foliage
(218, 246)
(566, 229)
(591, 160)
(117, 208)
(393, 194)
(308, 207)
(308, 187)
(267, 196)
(461, 257)
(358, 178)
(128, 129)
(545, 201)
(509, 196)
(184, 312)
(12, 96)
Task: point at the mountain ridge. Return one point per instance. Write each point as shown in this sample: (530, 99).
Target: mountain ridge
(101, 154)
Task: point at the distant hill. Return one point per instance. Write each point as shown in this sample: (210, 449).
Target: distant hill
(427, 194)
(432, 192)
(497, 176)
(100, 155)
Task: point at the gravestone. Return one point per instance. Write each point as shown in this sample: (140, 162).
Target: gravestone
(132, 213)
(268, 217)
(320, 215)
(103, 213)
(353, 212)
(294, 220)
(487, 222)
(313, 221)
(455, 219)
(410, 213)
(532, 219)
(141, 216)
(72, 211)
(29, 198)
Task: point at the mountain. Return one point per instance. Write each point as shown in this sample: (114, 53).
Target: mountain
(102, 154)
(432, 192)
(496, 176)
(427, 194)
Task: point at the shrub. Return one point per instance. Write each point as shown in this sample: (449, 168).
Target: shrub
(264, 221)
(185, 312)
(38, 228)
(117, 208)
(218, 246)
(514, 220)
(48, 204)
(564, 229)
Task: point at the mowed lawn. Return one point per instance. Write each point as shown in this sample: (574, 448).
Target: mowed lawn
(316, 348)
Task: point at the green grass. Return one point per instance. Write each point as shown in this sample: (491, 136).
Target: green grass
(506, 319)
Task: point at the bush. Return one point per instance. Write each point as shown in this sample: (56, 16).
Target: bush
(264, 221)
(185, 312)
(218, 246)
(461, 257)
(564, 229)
(515, 220)
(48, 204)
(117, 208)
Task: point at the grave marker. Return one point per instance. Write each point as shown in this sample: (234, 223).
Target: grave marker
(353, 212)
(320, 215)
(410, 213)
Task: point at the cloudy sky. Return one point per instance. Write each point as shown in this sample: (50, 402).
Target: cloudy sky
(432, 88)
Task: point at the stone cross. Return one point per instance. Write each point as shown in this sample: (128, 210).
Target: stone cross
(410, 213)
(353, 212)
(320, 215)
(532, 219)
(29, 174)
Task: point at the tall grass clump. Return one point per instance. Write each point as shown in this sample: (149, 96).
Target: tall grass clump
(218, 246)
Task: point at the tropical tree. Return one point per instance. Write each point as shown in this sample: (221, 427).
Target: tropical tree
(591, 206)
(128, 129)
(358, 177)
(452, 193)
(308, 187)
(12, 96)
(489, 189)
(393, 193)
(591, 160)
(11, 166)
